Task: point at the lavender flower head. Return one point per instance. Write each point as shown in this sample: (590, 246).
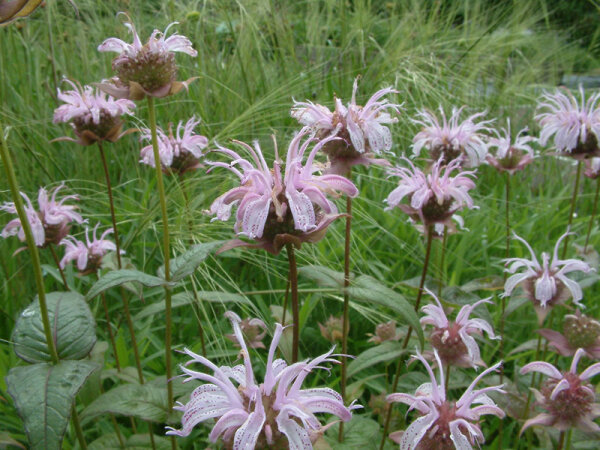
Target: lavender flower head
(450, 139)
(88, 254)
(94, 116)
(434, 197)
(273, 209)
(546, 284)
(274, 414)
(444, 424)
(575, 125)
(453, 341)
(363, 129)
(511, 154)
(178, 153)
(146, 69)
(50, 224)
(579, 332)
(568, 398)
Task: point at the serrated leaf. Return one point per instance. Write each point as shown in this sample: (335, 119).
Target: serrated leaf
(119, 277)
(73, 328)
(323, 276)
(145, 401)
(369, 290)
(186, 263)
(43, 395)
(387, 351)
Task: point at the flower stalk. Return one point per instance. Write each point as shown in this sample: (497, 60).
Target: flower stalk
(594, 210)
(293, 277)
(572, 210)
(346, 318)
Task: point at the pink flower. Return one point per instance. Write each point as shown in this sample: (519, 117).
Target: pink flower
(363, 129)
(147, 69)
(254, 331)
(574, 125)
(567, 397)
(275, 210)
(545, 284)
(88, 254)
(94, 115)
(445, 424)
(592, 168)
(433, 197)
(50, 224)
(579, 331)
(453, 341)
(274, 414)
(511, 155)
(450, 139)
(178, 153)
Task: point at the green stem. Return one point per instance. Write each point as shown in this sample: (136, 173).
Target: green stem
(442, 261)
(573, 202)
(166, 250)
(35, 257)
(594, 209)
(561, 441)
(346, 318)
(77, 426)
(388, 417)
(57, 262)
(530, 394)
(293, 274)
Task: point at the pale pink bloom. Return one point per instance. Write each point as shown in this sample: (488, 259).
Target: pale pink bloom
(145, 69)
(94, 115)
(274, 414)
(592, 168)
(88, 254)
(579, 331)
(254, 331)
(363, 129)
(178, 153)
(385, 332)
(433, 198)
(511, 154)
(568, 398)
(49, 224)
(450, 139)
(545, 283)
(575, 125)
(275, 209)
(442, 423)
(454, 341)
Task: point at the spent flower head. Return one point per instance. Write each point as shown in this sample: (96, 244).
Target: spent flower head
(88, 254)
(575, 125)
(568, 398)
(145, 69)
(332, 329)
(386, 331)
(546, 284)
(445, 424)
(273, 209)
(511, 154)
(50, 224)
(254, 330)
(433, 197)
(363, 130)
(579, 331)
(454, 341)
(276, 413)
(94, 115)
(451, 139)
(179, 152)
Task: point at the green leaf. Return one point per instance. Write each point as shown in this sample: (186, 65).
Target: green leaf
(119, 277)
(134, 442)
(456, 296)
(187, 298)
(72, 323)
(367, 289)
(387, 351)
(323, 276)
(358, 433)
(186, 263)
(146, 401)
(43, 395)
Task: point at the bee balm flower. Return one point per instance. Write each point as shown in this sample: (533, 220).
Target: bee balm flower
(511, 154)
(94, 116)
(444, 424)
(273, 209)
(88, 254)
(147, 69)
(363, 129)
(274, 414)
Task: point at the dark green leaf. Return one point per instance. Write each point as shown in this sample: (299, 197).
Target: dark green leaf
(72, 323)
(119, 277)
(323, 276)
(44, 394)
(134, 442)
(368, 290)
(358, 433)
(387, 351)
(186, 263)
